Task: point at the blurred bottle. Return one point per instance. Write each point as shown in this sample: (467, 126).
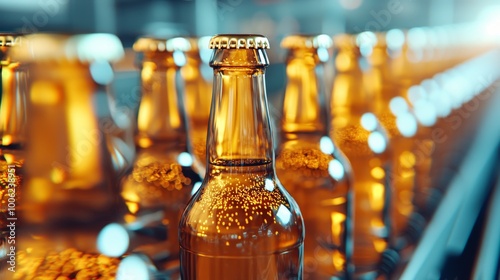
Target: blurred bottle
(69, 189)
(401, 126)
(409, 106)
(198, 98)
(310, 166)
(66, 81)
(13, 78)
(13, 102)
(358, 133)
(162, 177)
(242, 224)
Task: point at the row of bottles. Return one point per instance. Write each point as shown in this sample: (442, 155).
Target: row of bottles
(345, 195)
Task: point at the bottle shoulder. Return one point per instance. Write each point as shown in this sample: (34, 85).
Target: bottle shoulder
(244, 209)
(313, 161)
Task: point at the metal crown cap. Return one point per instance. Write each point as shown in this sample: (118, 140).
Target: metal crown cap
(9, 39)
(307, 41)
(154, 44)
(85, 48)
(239, 41)
(360, 40)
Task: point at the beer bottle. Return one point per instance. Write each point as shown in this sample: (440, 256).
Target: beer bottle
(12, 131)
(359, 134)
(198, 95)
(242, 224)
(309, 164)
(162, 177)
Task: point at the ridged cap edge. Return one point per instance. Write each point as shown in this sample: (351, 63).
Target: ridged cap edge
(152, 44)
(307, 41)
(239, 41)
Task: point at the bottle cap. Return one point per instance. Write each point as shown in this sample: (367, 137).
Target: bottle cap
(154, 44)
(239, 41)
(85, 48)
(360, 44)
(307, 41)
(198, 43)
(9, 39)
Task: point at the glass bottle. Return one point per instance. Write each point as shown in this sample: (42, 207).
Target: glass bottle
(242, 224)
(400, 132)
(358, 133)
(312, 168)
(406, 51)
(69, 188)
(12, 134)
(162, 177)
(198, 96)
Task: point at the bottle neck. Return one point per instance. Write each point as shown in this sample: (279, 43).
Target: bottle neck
(13, 86)
(239, 128)
(350, 93)
(303, 106)
(198, 92)
(160, 119)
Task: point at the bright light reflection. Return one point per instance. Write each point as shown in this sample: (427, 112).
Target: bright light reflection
(369, 121)
(398, 105)
(101, 72)
(269, 185)
(415, 93)
(133, 267)
(490, 21)
(377, 200)
(205, 51)
(336, 169)
(417, 38)
(196, 187)
(376, 142)
(377, 172)
(185, 159)
(350, 4)
(113, 240)
(95, 47)
(283, 215)
(326, 145)
(425, 112)
(407, 124)
(337, 220)
(323, 54)
(179, 58)
(395, 39)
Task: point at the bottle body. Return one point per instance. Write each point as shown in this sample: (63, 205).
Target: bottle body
(357, 132)
(379, 79)
(319, 182)
(310, 166)
(65, 98)
(69, 185)
(13, 87)
(162, 177)
(241, 224)
(198, 96)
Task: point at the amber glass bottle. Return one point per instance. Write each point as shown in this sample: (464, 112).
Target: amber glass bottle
(360, 136)
(198, 96)
(12, 134)
(242, 224)
(69, 168)
(406, 72)
(13, 89)
(380, 82)
(69, 187)
(162, 176)
(310, 166)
